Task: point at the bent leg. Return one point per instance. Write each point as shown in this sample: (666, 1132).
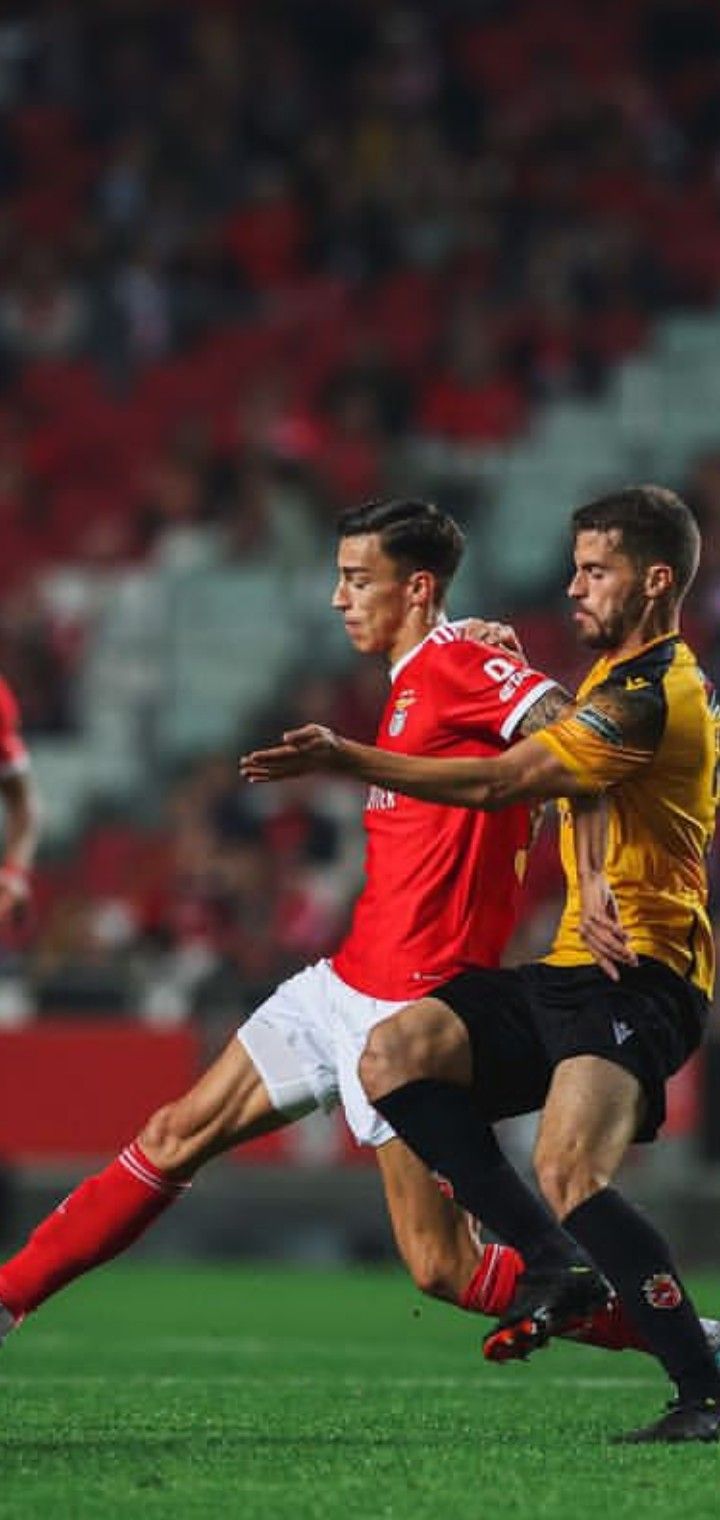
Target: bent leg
(429, 1230)
(420, 1072)
(107, 1212)
(593, 1111)
(434, 1241)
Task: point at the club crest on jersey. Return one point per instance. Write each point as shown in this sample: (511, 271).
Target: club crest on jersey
(399, 714)
(662, 1291)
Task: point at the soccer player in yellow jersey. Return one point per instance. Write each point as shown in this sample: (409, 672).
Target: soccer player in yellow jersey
(595, 1051)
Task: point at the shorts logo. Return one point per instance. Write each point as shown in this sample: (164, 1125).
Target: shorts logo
(662, 1291)
(622, 1031)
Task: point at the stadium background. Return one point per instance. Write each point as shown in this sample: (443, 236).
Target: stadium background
(258, 262)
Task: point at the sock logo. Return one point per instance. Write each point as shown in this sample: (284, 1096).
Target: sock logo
(662, 1291)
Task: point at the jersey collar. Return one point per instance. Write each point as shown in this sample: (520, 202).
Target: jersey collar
(629, 659)
(411, 653)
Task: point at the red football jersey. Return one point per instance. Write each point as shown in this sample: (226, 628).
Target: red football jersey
(442, 883)
(13, 754)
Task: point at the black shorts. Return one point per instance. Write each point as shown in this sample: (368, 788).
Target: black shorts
(522, 1023)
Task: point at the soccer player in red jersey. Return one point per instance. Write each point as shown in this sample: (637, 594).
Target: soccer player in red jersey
(20, 808)
(441, 894)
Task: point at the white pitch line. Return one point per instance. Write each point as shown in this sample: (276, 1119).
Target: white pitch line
(290, 1380)
(250, 1346)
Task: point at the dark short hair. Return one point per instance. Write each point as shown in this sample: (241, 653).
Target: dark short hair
(415, 534)
(656, 525)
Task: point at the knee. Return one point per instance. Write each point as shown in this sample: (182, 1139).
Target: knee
(567, 1175)
(383, 1064)
(434, 1271)
(165, 1142)
(423, 1040)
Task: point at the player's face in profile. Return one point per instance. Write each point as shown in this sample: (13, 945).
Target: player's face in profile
(607, 590)
(370, 594)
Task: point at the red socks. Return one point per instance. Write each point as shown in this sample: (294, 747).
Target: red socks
(99, 1219)
(611, 1329)
(106, 1213)
(492, 1285)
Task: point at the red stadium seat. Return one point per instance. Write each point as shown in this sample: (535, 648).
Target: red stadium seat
(487, 413)
(122, 860)
(266, 240)
(55, 386)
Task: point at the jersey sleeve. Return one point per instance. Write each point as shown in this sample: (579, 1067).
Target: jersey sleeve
(14, 758)
(613, 733)
(485, 691)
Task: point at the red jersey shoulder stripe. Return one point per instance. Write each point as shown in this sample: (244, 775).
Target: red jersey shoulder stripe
(524, 703)
(445, 633)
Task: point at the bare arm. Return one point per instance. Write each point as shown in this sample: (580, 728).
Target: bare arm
(21, 836)
(528, 770)
(600, 926)
(584, 750)
(590, 829)
(553, 704)
(548, 707)
(581, 751)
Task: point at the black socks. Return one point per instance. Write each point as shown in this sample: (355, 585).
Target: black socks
(635, 1258)
(442, 1123)
(444, 1126)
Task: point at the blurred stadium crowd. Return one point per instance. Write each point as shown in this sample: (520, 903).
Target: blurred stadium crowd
(254, 257)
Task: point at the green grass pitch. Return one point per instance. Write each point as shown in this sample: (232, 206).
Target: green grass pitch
(319, 1395)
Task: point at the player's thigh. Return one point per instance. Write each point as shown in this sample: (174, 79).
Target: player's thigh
(424, 1038)
(592, 1113)
(290, 1040)
(228, 1104)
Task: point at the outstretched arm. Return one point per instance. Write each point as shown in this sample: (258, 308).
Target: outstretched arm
(582, 751)
(528, 770)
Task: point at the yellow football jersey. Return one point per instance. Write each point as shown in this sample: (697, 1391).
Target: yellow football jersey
(646, 732)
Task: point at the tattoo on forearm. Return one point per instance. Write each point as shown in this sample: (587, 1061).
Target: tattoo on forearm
(546, 710)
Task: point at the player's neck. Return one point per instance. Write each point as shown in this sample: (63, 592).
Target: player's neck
(416, 628)
(658, 623)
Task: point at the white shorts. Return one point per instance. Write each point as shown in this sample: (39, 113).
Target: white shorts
(306, 1041)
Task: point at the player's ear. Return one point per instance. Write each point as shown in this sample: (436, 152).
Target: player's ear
(659, 580)
(421, 585)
